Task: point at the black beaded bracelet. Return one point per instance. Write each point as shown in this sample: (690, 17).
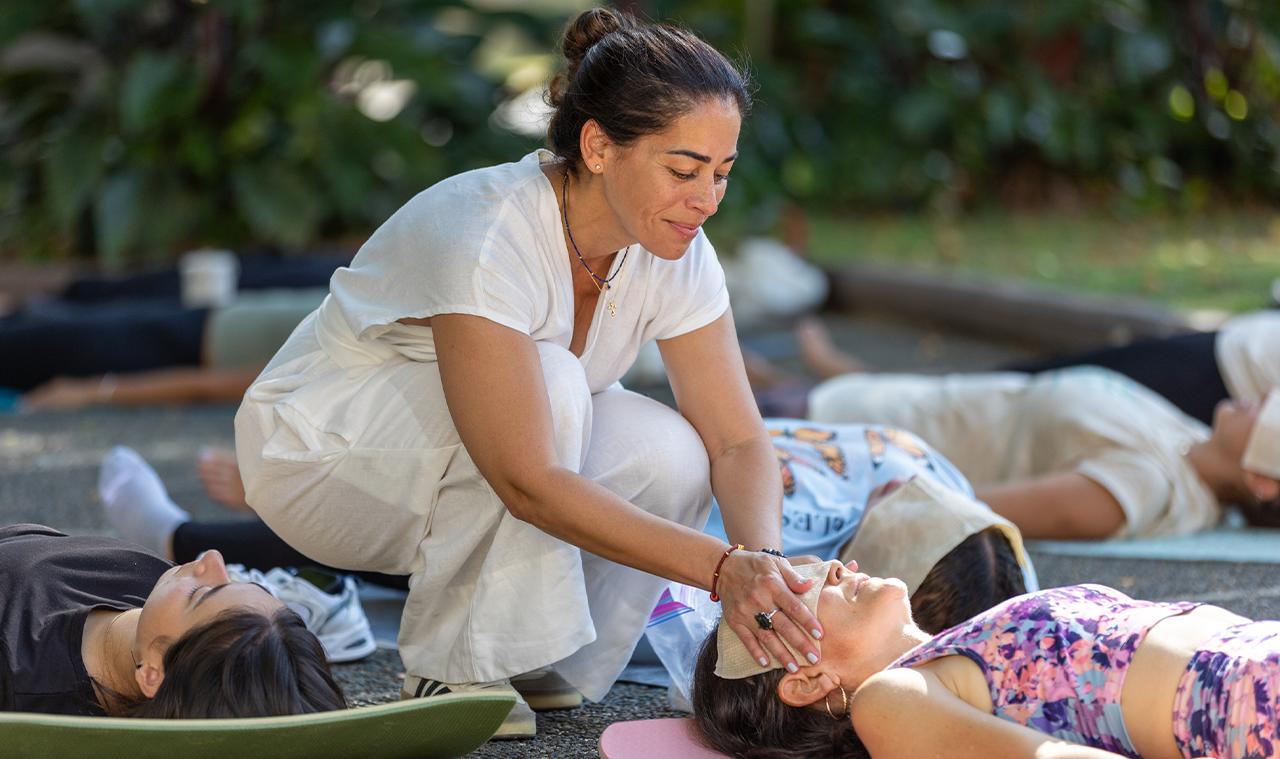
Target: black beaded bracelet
(774, 552)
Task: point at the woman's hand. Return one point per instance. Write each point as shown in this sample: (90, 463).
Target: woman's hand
(751, 583)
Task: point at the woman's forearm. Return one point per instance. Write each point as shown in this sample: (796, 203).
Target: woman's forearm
(748, 488)
(584, 513)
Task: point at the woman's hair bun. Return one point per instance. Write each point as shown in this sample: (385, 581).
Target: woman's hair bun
(639, 79)
(586, 30)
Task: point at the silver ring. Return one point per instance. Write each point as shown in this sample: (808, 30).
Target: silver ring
(765, 620)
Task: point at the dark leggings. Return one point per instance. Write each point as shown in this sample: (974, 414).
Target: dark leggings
(253, 544)
(78, 341)
(1183, 368)
(133, 324)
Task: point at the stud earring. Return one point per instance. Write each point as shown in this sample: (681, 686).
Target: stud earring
(597, 167)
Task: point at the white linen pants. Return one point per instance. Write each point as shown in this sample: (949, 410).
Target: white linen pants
(348, 453)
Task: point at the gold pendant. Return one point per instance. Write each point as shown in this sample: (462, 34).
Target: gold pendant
(611, 311)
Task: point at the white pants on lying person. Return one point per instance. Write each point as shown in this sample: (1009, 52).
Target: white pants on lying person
(361, 467)
(1009, 427)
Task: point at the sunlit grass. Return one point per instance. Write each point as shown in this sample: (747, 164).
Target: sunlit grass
(1213, 261)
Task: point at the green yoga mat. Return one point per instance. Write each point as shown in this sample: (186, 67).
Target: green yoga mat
(441, 727)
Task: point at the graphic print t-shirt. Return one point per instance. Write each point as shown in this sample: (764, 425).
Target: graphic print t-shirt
(829, 470)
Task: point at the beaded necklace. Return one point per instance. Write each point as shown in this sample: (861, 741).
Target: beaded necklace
(601, 284)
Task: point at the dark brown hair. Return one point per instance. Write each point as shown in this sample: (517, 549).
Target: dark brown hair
(1260, 514)
(745, 718)
(634, 79)
(243, 664)
(974, 576)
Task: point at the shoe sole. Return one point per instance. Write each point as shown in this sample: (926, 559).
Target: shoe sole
(548, 702)
(520, 724)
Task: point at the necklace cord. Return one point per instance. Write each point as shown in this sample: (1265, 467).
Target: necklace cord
(564, 193)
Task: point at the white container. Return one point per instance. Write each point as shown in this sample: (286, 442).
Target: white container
(209, 278)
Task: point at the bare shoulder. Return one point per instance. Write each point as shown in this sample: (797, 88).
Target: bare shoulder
(958, 676)
(913, 712)
(881, 696)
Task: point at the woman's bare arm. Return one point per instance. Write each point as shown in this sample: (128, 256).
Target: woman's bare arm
(1061, 506)
(181, 384)
(911, 714)
(707, 375)
(494, 387)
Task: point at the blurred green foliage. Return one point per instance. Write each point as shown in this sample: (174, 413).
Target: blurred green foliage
(133, 129)
(911, 104)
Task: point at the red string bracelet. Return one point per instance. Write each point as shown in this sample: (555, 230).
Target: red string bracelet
(716, 577)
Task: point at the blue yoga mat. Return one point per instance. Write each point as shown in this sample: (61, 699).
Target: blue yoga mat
(1250, 545)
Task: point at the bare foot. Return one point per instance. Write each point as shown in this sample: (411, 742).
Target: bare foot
(220, 474)
(820, 355)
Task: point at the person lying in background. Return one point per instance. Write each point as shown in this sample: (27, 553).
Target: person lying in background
(131, 340)
(1079, 453)
(1240, 361)
(1081, 672)
(231, 346)
(96, 626)
(1082, 452)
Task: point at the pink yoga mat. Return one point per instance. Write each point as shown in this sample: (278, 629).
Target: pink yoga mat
(654, 739)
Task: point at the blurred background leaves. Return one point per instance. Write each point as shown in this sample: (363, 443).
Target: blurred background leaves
(953, 106)
(131, 130)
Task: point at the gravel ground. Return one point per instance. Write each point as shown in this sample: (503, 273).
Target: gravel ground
(49, 464)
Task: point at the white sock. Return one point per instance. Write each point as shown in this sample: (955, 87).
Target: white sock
(137, 505)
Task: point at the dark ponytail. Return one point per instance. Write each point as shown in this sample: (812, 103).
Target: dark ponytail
(633, 79)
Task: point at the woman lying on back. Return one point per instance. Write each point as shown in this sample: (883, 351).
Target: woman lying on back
(1081, 672)
(94, 625)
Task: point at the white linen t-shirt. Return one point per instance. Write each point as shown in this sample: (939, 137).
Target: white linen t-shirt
(1006, 426)
(829, 471)
(490, 243)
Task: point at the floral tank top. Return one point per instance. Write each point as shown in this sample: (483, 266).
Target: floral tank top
(1055, 660)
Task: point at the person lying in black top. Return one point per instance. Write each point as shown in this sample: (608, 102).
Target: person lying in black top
(97, 626)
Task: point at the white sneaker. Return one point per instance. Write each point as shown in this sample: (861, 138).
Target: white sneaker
(333, 613)
(520, 722)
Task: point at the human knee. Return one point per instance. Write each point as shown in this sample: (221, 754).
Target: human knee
(570, 400)
(650, 455)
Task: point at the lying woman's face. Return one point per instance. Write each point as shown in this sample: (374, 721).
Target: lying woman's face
(862, 617)
(192, 594)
